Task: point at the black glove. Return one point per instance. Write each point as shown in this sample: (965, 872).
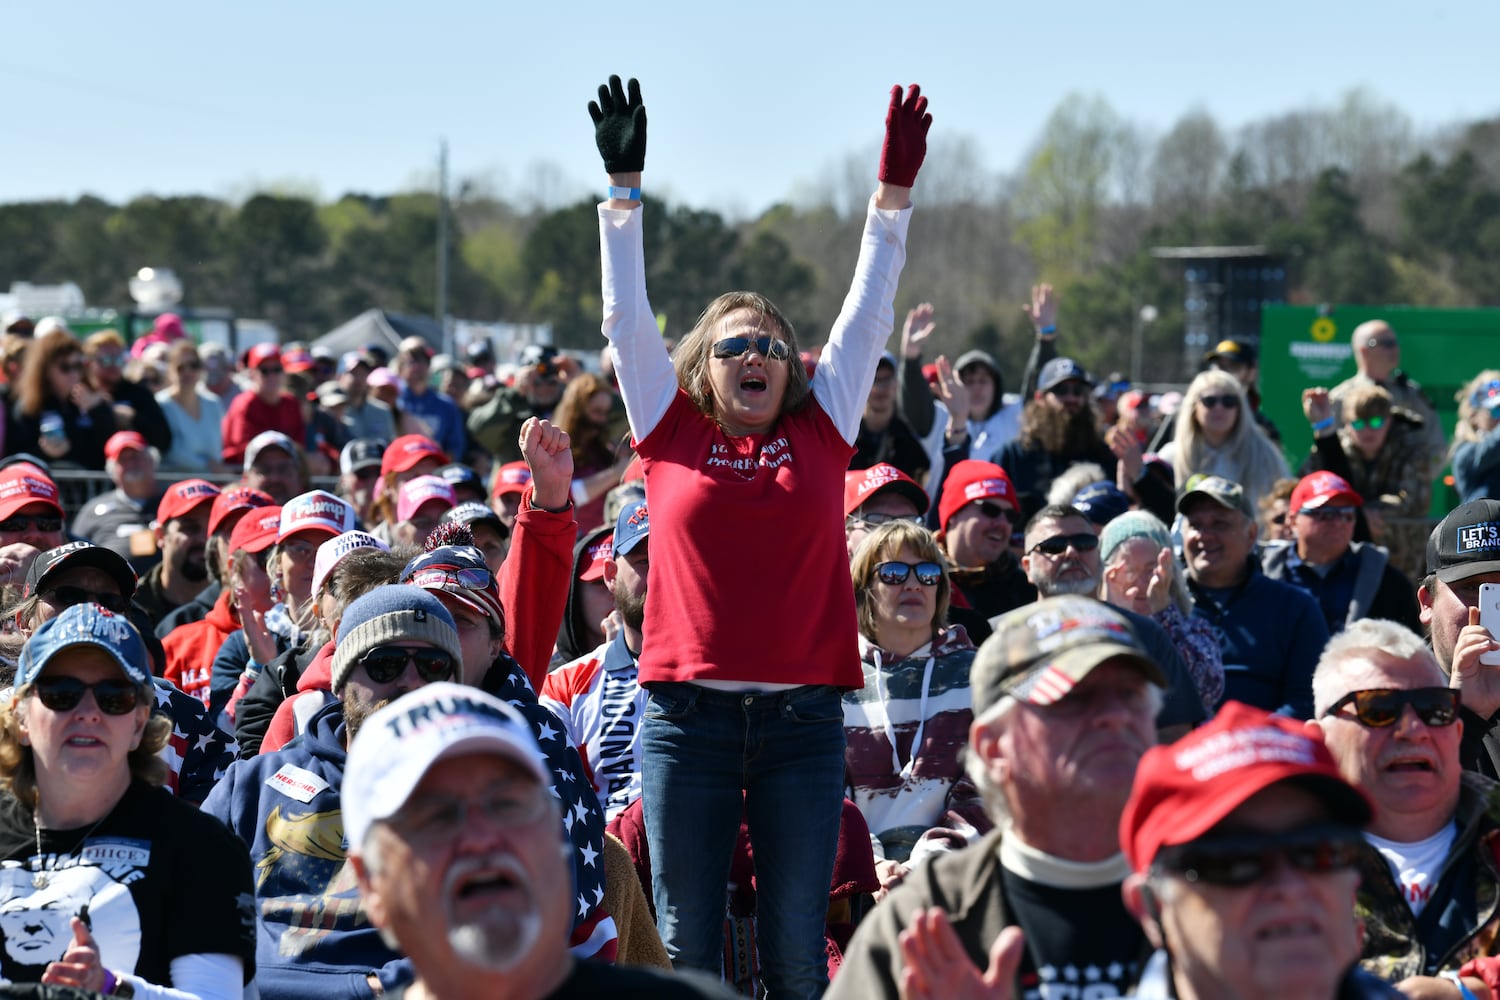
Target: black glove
(620, 127)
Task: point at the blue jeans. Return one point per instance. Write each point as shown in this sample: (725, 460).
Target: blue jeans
(705, 756)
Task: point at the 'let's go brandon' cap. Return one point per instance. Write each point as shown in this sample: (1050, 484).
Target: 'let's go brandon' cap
(1466, 543)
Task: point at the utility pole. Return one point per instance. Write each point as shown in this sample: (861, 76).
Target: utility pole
(442, 249)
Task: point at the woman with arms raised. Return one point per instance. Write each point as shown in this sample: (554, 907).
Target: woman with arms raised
(751, 615)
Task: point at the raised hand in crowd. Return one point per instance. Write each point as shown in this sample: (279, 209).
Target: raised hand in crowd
(938, 969)
(1316, 405)
(1042, 311)
(953, 394)
(546, 450)
(915, 331)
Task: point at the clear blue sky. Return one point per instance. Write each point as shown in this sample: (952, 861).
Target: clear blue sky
(746, 101)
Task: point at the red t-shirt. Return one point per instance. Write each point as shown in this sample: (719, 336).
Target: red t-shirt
(248, 415)
(767, 511)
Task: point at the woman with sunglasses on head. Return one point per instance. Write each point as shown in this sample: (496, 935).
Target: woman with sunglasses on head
(54, 413)
(1215, 437)
(104, 863)
(744, 459)
(195, 415)
(907, 728)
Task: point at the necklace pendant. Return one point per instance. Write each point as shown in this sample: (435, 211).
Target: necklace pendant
(39, 880)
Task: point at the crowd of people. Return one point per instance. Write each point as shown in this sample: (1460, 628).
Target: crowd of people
(739, 668)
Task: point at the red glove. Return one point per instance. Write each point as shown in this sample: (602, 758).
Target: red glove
(906, 125)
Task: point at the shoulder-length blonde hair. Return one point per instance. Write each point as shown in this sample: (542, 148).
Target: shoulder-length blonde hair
(18, 765)
(882, 544)
(1255, 462)
(1464, 431)
(34, 391)
(693, 353)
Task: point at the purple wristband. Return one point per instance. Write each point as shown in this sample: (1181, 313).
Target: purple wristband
(108, 988)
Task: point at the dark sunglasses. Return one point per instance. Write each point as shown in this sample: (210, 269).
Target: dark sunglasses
(190, 366)
(1228, 402)
(1084, 541)
(1381, 707)
(1482, 394)
(1329, 515)
(270, 370)
(896, 573)
(62, 694)
(469, 578)
(1244, 860)
(70, 367)
(991, 510)
(1066, 390)
(385, 663)
(66, 597)
(1373, 423)
(1386, 342)
(37, 523)
(876, 520)
(1279, 519)
(767, 347)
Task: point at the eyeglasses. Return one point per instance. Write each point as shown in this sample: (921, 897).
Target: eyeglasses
(1084, 541)
(1278, 519)
(109, 360)
(876, 520)
(767, 347)
(896, 573)
(70, 367)
(37, 523)
(1373, 423)
(1238, 861)
(62, 694)
(469, 578)
(993, 511)
(1381, 707)
(384, 664)
(1385, 342)
(439, 819)
(1228, 402)
(66, 597)
(1329, 515)
(271, 370)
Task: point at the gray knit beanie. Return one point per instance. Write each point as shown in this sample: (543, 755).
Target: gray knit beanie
(1132, 524)
(394, 613)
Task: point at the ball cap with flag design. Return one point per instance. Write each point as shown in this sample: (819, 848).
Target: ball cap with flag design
(257, 530)
(473, 512)
(1039, 652)
(233, 500)
(75, 555)
(407, 450)
(1184, 789)
(23, 484)
(512, 477)
(1323, 489)
(184, 498)
(85, 625)
(318, 510)
(862, 484)
(972, 480)
(1466, 543)
(460, 572)
(1225, 493)
(124, 441)
(1059, 370)
(399, 744)
(333, 551)
(415, 493)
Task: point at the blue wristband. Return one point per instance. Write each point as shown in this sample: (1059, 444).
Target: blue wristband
(1326, 424)
(1457, 980)
(624, 194)
(1050, 328)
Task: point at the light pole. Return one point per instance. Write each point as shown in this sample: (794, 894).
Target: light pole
(1144, 317)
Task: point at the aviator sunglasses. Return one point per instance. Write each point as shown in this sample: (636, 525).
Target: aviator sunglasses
(1228, 402)
(768, 347)
(1247, 859)
(62, 694)
(1381, 707)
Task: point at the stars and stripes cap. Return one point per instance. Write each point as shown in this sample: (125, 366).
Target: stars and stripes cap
(1039, 652)
(398, 745)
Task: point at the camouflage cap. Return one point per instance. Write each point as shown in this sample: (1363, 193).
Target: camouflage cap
(1038, 652)
(1221, 491)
